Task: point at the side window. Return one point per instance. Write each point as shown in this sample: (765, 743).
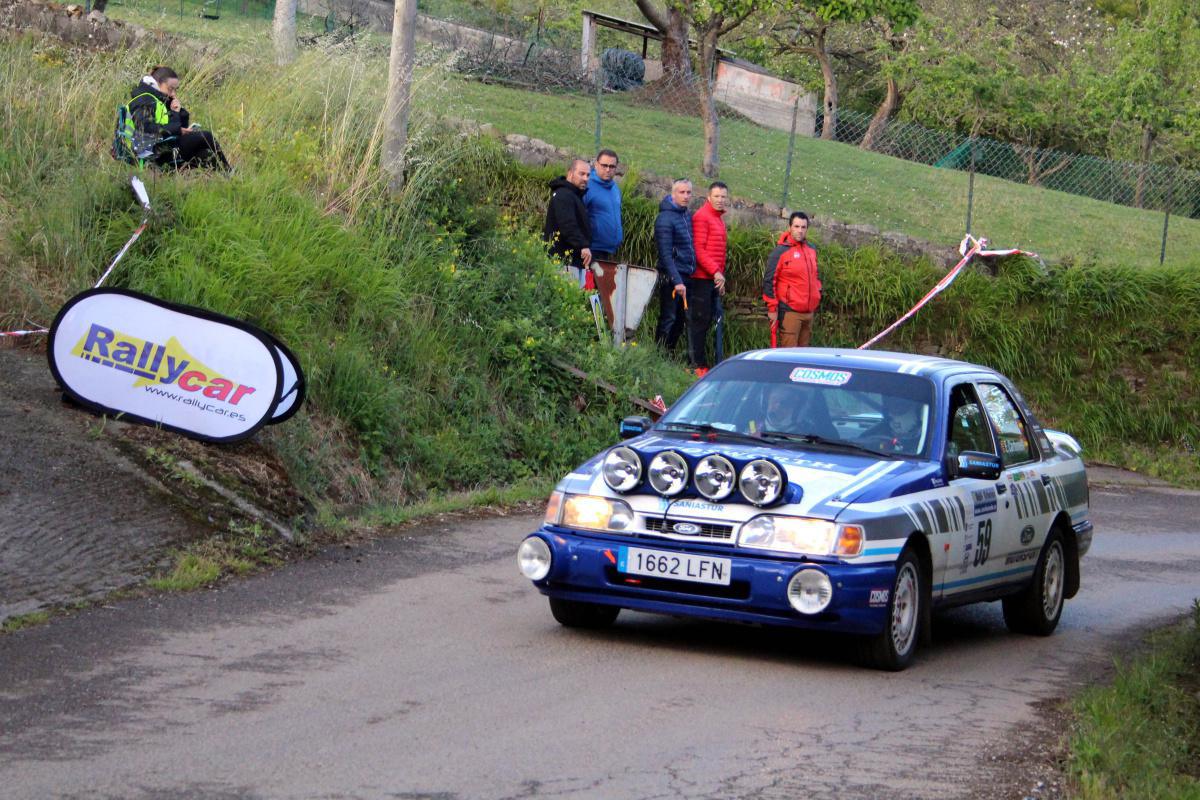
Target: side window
(968, 425)
(1010, 428)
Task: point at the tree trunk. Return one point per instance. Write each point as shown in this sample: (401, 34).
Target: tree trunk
(673, 25)
(283, 31)
(883, 114)
(400, 69)
(1139, 195)
(707, 56)
(830, 103)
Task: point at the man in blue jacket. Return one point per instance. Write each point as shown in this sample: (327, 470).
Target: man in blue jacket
(603, 202)
(676, 261)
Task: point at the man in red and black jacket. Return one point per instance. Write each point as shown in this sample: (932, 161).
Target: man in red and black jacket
(708, 280)
(791, 285)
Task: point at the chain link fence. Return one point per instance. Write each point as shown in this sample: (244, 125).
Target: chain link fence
(929, 184)
(525, 75)
(1162, 187)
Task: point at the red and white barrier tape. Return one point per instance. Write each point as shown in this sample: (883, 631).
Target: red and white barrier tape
(139, 190)
(976, 249)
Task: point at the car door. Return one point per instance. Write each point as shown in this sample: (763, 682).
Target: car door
(970, 563)
(1016, 547)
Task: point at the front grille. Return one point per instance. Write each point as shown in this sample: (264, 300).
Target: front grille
(708, 530)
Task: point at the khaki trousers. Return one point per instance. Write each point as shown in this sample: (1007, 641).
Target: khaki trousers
(795, 329)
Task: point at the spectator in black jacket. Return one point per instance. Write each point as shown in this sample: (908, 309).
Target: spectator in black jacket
(567, 229)
(676, 261)
(161, 121)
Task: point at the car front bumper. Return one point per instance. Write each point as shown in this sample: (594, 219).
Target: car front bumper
(584, 568)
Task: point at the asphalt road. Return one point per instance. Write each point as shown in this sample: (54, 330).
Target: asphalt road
(423, 666)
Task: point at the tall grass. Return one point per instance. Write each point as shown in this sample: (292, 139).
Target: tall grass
(1138, 738)
(426, 324)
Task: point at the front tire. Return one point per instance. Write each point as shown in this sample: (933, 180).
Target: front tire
(1037, 608)
(575, 614)
(894, 647)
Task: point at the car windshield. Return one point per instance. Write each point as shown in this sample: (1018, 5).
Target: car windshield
(852, 409)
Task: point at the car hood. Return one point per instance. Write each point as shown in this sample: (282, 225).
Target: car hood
(822, 483)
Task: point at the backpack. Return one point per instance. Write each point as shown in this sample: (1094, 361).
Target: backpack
(129, 144)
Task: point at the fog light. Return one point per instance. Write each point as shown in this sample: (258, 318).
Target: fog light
(809, 591)
(668, 473)
(533, 557)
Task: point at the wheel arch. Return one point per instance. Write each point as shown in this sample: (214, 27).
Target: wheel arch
(918, 542)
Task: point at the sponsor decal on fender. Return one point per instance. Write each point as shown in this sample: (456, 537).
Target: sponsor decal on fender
(185, 369)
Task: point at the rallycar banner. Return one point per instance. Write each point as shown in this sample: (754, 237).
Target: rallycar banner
(293, 387)
(185, 369)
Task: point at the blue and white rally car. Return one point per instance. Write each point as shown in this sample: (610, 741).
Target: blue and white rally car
(833, 490)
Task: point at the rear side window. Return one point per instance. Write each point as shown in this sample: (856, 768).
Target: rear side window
(1015, 447)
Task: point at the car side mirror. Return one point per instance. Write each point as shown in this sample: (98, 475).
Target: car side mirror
(634, 426)
(972, 464)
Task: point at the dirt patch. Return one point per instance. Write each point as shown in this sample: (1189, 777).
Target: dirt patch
(89, 505)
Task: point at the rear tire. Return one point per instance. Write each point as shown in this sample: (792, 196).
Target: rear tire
(1037, 608)
(894, 647)
(575, 614)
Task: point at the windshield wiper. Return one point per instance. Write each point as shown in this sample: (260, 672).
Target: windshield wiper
(812, 438)
(711, 430)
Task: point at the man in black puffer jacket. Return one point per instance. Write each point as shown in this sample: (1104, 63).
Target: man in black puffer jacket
(567, 229)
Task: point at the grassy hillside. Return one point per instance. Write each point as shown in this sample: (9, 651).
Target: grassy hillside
(829, 179)
(426, 324)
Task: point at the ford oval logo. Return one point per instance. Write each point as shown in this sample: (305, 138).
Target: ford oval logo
(686, 528)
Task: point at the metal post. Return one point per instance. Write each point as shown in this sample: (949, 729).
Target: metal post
(971, 187)
(599, 103)
(1162, 254)
(787, 172)
(620, 303)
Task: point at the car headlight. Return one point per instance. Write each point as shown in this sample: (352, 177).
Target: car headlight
(715, 477)
(596, 513)
(534, 558)
(622, 469)
(761, 482)
(801, 535)
(668, 473)
(809, 591)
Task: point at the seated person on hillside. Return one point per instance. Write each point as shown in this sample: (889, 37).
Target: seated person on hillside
(902, 429)
(161, 126)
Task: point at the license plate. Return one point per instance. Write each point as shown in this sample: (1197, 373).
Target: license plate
(677, 566)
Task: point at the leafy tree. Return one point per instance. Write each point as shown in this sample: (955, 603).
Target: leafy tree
(673, 25)
(711, 20)
(805, 26)
(1153, 81)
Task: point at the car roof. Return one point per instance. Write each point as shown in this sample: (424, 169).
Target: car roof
(932, 367)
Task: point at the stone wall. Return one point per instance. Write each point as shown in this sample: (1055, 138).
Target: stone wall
(69, 23)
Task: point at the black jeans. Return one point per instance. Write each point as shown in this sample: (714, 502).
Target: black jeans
(700, 293)
(670, 316)
(194, 149)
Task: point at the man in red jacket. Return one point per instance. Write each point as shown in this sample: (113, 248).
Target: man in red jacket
(791, 285)
(708, 236)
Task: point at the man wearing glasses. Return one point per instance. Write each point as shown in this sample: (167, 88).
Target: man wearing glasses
(603, 203)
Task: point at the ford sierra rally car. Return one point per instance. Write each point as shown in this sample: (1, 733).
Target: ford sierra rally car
(831, 490)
